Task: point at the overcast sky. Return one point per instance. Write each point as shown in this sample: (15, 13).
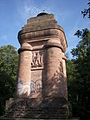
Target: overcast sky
(14, 15)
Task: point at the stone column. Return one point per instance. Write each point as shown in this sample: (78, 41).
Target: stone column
(24, 70)
(54, 83)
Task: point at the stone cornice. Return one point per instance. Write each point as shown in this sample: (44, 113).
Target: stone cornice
(50, 44)
(24, 49)
(51, 32)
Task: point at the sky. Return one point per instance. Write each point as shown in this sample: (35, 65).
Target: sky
(14, 15)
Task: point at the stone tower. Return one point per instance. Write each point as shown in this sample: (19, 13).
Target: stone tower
(41, 84)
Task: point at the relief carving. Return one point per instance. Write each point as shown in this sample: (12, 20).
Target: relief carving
(37, 59)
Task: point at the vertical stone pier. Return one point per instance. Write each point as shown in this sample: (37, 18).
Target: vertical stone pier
(41, 84)
(24, 70)
(54, 82)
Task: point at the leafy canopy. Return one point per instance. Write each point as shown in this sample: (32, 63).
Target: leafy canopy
(8, 72)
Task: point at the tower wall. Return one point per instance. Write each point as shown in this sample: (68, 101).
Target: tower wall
(41, 84)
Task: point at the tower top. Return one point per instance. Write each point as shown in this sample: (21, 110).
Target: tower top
(42, 26)
(42, 13)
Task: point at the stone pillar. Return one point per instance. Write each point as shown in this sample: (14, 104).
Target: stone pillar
(54, 81)
(24, 70)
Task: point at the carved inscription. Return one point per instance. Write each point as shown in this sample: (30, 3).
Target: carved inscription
(37, 59)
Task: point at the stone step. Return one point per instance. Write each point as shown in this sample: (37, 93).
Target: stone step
(34, 113)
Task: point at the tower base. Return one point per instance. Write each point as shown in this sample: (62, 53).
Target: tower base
(37, 109)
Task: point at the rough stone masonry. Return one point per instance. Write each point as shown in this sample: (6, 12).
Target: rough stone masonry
(41, 84)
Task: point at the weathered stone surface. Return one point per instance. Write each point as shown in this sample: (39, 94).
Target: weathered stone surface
(35, 108)
(54, 80)
(41, 84)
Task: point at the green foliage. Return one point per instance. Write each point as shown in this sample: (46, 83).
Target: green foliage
(78, 75)
(82, 48)
(86, 12)
(8, 71)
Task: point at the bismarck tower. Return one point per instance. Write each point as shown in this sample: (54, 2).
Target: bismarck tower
(41, 84)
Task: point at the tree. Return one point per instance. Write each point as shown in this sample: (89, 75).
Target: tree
(86, 11)
(79, 88)
(8, 71)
